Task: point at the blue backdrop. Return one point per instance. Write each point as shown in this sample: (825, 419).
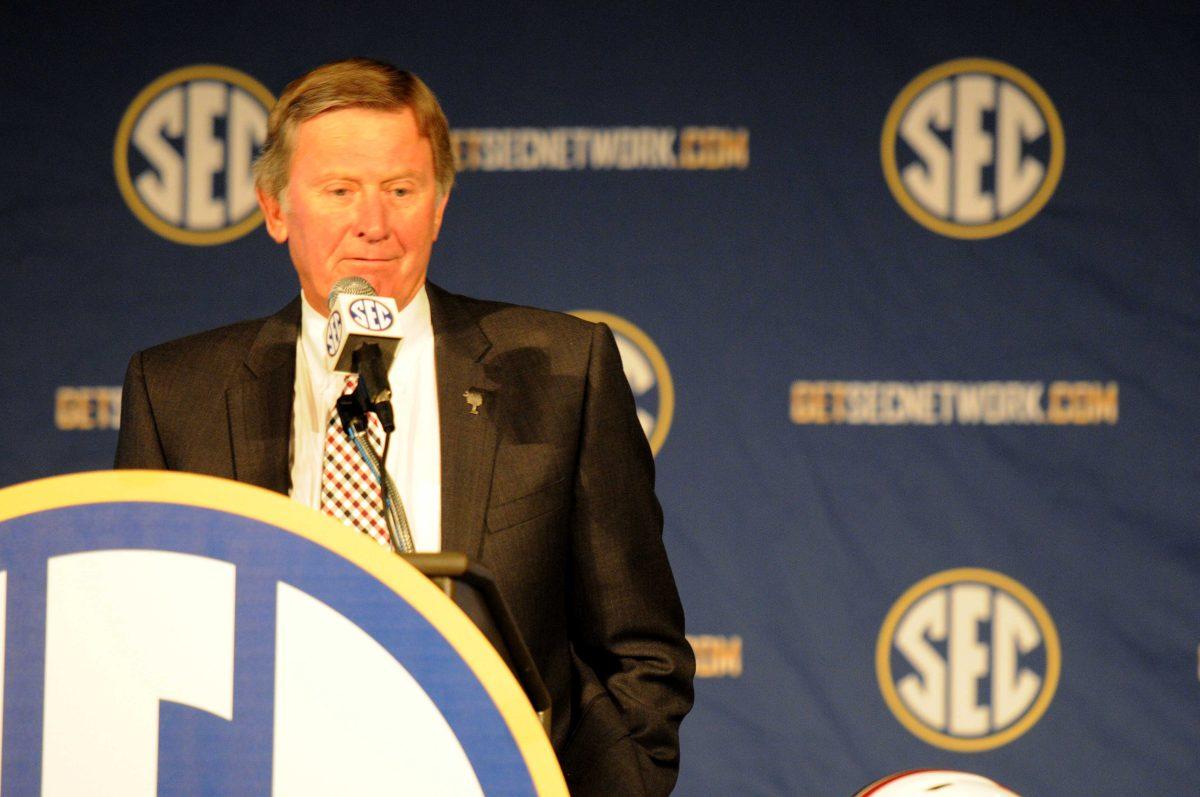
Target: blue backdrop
(908, 296)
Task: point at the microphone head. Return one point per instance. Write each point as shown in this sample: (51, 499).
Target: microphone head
(356, 286)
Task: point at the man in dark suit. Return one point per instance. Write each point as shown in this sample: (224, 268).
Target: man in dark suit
(545, 474)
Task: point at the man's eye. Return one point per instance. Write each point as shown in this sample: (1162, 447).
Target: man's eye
(339, 191)
(400, 192)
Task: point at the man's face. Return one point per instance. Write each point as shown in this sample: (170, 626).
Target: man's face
(361, 200)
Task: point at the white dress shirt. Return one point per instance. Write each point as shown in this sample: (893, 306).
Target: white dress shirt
(414, 455)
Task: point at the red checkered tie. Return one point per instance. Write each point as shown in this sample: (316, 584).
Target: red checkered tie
(349, 492)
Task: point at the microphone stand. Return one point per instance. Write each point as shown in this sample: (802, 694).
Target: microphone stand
(367, 362)
(352, 410)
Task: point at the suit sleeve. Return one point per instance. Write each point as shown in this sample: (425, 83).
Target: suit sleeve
(138, 444)
(628, 617)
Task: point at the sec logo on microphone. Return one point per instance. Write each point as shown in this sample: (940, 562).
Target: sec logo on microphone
(370, 314)
(333, 333)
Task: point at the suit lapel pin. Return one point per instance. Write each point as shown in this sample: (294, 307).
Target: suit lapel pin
(474, 399)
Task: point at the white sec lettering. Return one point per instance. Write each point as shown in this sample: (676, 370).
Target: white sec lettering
(924, 692)
(205, 154)
(929, 180)
(968, 658)
(973, 149)
(161, 187)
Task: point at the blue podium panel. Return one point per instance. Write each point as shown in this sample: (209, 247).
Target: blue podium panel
(175, 634)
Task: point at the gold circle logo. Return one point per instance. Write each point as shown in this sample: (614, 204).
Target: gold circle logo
(968, 660)
(972, 148)
(184, 151)
(647, 373)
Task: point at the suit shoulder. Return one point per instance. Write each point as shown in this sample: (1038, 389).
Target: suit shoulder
(516, 324)
(219, 353)
(238, 335)
(203, 350)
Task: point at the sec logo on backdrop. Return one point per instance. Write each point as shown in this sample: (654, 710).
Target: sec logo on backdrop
(647, 373)
(968, 659)
(184, 151)
(972, 148)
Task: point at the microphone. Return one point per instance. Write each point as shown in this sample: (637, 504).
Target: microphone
(361, 338)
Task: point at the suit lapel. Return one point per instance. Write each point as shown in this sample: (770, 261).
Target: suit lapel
(260, 406)
(468, 440)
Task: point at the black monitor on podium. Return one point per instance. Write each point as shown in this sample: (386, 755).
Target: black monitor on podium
(474, 590)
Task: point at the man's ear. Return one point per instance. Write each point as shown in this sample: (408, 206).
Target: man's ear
(438, 213)
(272, 211)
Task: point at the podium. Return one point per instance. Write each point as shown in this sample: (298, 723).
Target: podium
(168, 633)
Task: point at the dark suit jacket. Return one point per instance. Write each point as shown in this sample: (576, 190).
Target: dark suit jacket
(550, 486)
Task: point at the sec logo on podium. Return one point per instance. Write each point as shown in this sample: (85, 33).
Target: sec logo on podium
(177, 634)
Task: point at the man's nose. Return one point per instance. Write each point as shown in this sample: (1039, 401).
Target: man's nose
(372, 217)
